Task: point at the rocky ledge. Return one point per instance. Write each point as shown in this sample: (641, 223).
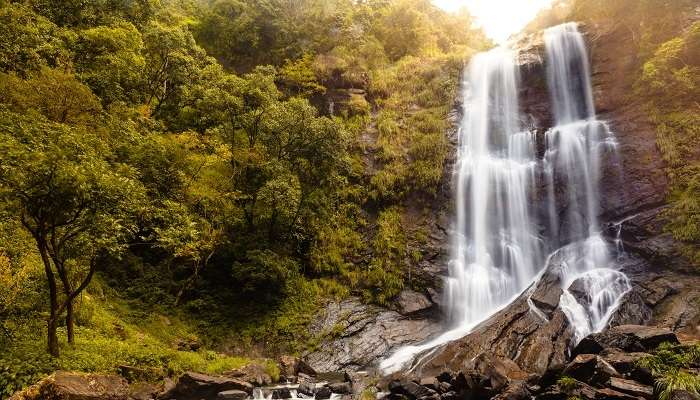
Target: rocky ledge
(603, 366)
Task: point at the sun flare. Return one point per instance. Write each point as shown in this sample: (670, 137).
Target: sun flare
(498, 18)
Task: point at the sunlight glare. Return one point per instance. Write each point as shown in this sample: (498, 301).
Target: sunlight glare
(498, 18)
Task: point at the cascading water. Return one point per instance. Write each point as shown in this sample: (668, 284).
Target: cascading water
(496, 251)
(575, 147)
(497, 247)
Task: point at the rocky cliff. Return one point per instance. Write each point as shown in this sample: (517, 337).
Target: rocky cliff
(666, 292)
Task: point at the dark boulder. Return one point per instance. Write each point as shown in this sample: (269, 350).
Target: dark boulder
(591, 369)
(341, 387)
(281, 393)
(323, 393)
(631, 387)
(307, 389)
(411, 390)
(630, 338)
(627, 364)
(194, 386)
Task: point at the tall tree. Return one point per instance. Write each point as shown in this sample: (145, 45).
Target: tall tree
(77, 207)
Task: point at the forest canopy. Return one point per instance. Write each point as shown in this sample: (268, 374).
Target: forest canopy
(207, 158)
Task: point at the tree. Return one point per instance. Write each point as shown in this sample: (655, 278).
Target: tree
(78, 208)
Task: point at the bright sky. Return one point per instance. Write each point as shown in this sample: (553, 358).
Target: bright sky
(499, 18)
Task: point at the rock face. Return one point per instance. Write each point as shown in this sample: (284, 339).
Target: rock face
(367, 333)
(76, 386)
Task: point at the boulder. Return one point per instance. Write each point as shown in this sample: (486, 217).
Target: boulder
(627, 365)
(515, 391)
(630, 338)
(410, 302)
(255, 374)
(683, 395)
(411, 390)
(359, 380)
(194, 386)
(610, 394)
(431, 383)
(232, 395)
(323, 393)
(281, 393)
(631, 387)
(580, 391)
(307, 389)
(77, 386)
(547, 293)
(341, 387)
(590, 368)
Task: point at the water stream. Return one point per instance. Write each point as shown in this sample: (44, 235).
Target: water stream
(499, 242)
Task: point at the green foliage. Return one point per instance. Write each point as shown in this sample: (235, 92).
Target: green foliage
(234, 196)
(670, 364)
(567, 383)
(670, 81)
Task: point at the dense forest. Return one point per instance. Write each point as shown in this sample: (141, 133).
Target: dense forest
(185, 183)
(185, 173)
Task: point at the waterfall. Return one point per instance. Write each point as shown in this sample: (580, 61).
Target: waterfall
(499, 243)
(575, 147)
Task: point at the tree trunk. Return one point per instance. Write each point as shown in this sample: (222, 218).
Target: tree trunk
(69, 323)
(53, 294)
(52, 336)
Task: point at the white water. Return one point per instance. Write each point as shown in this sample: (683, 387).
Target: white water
(575, 147)
(497, 249)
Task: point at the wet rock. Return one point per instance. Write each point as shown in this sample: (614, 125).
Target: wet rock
(341, 387)
(631, 338)
(254, 374)
(307, 389)
(631, 387)
(368, 333)
(304, 378)
(194, 386)
(232, 395)
(323, 393)
(411, 302)
(359, 380)
(591, 369)
(281, 393)
(411, 390)
(546, 295)
(633, 310)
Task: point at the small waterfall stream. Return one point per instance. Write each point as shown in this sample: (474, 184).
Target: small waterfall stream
(499, 243)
